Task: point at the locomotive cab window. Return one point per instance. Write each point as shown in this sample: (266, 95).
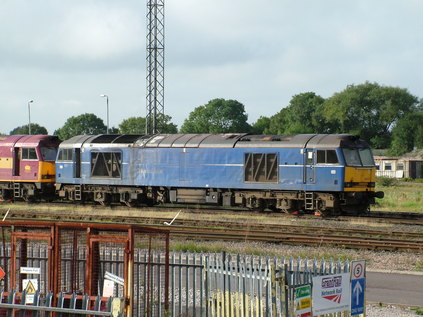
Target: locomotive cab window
(29, 154)
(49, 153)
(261, 167)
(65, 155)
(106, 164)
(358, 157)
(327, 157)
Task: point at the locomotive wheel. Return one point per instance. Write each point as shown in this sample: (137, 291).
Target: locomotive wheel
(261, 205)
(28, 199)
(356, 210)
(130, 204)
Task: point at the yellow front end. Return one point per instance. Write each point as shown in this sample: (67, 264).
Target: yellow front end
(360, 179)
(46, 172)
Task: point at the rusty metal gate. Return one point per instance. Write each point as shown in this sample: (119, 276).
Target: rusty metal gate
(88, 259)
(26, 252)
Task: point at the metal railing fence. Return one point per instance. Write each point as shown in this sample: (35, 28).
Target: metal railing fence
(202, 284)
(71, 304)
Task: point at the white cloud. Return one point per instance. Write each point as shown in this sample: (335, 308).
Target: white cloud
(75, 30)
(64, 54)
(99, 32)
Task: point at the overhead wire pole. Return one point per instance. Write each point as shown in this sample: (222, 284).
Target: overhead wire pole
(155, 65)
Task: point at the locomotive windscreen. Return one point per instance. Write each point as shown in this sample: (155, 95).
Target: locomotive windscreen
(358, 157)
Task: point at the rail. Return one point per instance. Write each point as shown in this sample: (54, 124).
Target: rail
(207, 229)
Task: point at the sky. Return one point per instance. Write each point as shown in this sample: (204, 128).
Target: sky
(65, 54)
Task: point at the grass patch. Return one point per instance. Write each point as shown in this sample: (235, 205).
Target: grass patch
(386, 181)
(419, 266)
(401, 197)
(195, 247)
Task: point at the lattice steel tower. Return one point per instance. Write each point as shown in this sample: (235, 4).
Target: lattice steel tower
(155, 64)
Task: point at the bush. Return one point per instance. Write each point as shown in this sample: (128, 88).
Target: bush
(387, 181)
(412, 180)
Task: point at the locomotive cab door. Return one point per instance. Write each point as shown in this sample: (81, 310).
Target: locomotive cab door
(77, 165)
(16, 161)
(309, 168)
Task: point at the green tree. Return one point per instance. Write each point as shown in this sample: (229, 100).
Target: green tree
(407, 134)
(165, 125)
(278, 123)
(136, 125)
(35, 129)
(261, 125)
(113, 130)
(217, 116)
(132, 125)
(302, 115)
(369, 110)
(87, 123)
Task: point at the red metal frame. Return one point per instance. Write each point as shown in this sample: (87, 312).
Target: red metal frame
(52, 236)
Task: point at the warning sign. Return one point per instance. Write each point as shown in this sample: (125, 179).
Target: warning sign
(2, 273)
(30, 286)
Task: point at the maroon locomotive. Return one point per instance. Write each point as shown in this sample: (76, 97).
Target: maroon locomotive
(27, 168)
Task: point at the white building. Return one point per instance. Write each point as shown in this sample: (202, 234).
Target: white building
(408, 166)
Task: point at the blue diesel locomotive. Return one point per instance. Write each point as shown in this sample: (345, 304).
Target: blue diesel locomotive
(323, 173)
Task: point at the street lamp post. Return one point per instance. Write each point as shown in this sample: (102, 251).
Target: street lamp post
(29, 115)
(107, 103)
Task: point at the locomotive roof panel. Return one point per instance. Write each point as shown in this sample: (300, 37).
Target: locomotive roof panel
(337, 140)
(104, 138)
(30, 140)
(169, 140)
(10, 140)
(77, 141)
(222, 140)
(127, 138)
(299, 140)
(302, 140)
(185, 139)
(190, 140)
(212, 140)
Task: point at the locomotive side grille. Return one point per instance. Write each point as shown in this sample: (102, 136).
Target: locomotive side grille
(261, 167)
(106, 164)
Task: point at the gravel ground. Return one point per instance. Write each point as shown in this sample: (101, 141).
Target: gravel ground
(375, 260)
(389, 311)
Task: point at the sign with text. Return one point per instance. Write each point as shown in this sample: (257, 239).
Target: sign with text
(114, 278)
(358, 287)
(30, 270)
(30, 286)
(303, 301)
(331, 293)
(358, 269)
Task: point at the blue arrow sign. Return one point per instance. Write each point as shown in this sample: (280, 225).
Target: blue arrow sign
(357, 296)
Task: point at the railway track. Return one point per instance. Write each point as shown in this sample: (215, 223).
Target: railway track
(406, 218)
(389, 240)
